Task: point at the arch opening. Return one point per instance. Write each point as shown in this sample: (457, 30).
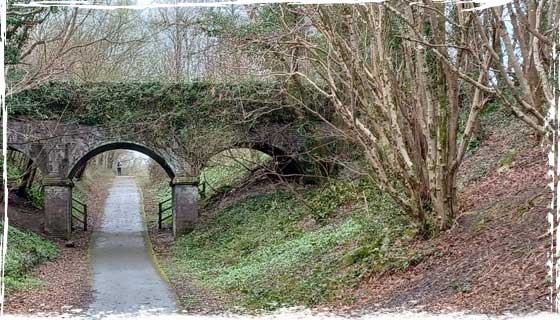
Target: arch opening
(286, 164)
(82, 162)
(232, 168)
(24, 176)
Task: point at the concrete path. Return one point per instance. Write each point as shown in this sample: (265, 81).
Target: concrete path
(125, 280)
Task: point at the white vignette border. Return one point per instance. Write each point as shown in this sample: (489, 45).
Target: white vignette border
(552, 119)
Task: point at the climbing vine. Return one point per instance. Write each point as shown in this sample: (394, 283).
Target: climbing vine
(118, 103)
(199, 118)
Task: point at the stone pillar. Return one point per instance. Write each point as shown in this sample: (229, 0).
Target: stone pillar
(58, 206)
(185, 204)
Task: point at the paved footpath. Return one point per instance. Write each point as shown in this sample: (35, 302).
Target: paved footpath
(125, 280)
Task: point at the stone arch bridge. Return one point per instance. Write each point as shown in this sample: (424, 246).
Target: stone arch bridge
(180, 133)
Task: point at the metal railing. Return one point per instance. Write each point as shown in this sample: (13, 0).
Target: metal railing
(79, 213)
(162, 210)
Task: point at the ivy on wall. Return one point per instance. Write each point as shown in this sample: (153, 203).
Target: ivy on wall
(119, 102)
(203, 117)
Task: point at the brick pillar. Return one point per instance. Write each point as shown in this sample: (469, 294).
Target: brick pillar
(185, 204)
(58, 206)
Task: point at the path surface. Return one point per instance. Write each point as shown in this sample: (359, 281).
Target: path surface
(125, 280)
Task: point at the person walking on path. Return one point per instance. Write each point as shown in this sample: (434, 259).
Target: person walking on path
(119, 168)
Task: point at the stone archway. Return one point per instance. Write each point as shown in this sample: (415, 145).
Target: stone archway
(209, 121)
(80, 162)
(286, 164)
(58, 191)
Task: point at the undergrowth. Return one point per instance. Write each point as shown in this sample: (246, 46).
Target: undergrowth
(161, 191)
(14, 174)
(35, 195)
(284, 249)
(25, 250)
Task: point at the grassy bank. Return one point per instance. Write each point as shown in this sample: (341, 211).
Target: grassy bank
(25, 251)
(286, 248)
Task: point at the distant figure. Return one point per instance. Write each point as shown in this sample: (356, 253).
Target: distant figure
(119, 168)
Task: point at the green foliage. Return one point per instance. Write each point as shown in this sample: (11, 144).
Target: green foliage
(489, 109)
(221, 22)
(265, 21)
(495, 115)
(337, 193)
(35, 195)
(14, 173)
(161, 191)
(491, 115)
(79, 193)
(25, 250)
(508, 158)
(461, 286)
(473, 145)
(142, 102)
(272, 250)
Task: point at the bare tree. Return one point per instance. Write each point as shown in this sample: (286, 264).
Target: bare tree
(73, 44)
(520, 42)
(396, 75)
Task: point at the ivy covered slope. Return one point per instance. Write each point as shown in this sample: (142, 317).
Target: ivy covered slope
(284, 248)
(25, 250)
